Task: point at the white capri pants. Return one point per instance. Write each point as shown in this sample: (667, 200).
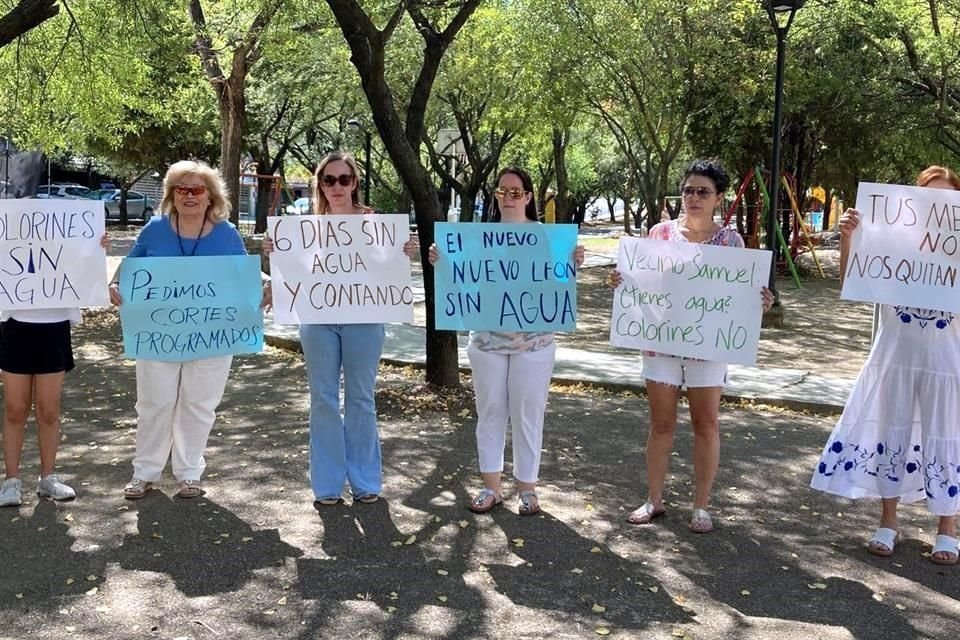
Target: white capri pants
(176, 409)
(511, 387)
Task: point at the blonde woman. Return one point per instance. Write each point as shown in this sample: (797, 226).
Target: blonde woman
(177, 401)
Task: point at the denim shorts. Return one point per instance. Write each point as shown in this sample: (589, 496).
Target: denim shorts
(684, 372)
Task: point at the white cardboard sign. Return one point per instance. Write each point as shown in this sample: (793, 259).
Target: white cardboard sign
(340, 269)
(693, 300)
(906, 249)
(50, 254)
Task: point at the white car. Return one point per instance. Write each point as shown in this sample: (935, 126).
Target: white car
(66, 191)
(300, 207)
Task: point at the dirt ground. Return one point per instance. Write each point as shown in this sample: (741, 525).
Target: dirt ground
(254, 559)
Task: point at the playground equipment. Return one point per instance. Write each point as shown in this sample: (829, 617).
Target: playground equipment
(754, 197)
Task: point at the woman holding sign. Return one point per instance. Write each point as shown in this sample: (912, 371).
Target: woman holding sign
(36, 353)
(343, 448)
(899, 435)
(177, 401)
(702, 187)
(511, 375)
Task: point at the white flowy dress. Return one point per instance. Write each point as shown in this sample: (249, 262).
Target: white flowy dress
(899, 435)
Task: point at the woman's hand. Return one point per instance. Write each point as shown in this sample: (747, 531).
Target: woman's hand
(578, 255)
(266, 303)
(848, 222)
(412, 247)
(433, 254)
(767, 297)
(115, 298)
(614, 280)
(266, 246)
(105, 242)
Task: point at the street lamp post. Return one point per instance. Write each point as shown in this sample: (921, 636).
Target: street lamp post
(356, 125)
(781, 14)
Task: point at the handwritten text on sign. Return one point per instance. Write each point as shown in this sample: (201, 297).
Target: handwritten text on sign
(347, 269)
(177, 309)
(506, 277)
(693, 300)
(50, 254)
(906, 249)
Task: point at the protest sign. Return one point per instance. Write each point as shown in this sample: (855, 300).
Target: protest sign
(686, 299)
(506, 277)
(187, 308)
(50, 254)
(340, 269)
(906, 249)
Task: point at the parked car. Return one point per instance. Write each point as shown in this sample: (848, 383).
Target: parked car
(66, 191)
(300, 206)
(139, 206)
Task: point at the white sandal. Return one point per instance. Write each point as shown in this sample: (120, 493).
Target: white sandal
(883, 542)
(701, 522)
(948, 545)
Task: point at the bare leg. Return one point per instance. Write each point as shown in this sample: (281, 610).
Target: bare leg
(705, 416)
(48, 389)
(663, 400)
(17, 400)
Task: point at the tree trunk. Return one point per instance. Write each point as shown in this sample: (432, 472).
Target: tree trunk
(560, 166)
(232, 109)
(827, 206)
(265, 199)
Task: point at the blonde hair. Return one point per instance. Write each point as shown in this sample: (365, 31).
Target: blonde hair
(320, 204)
(219, 208)
(936, 172)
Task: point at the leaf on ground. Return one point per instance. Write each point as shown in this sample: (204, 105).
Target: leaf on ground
(678, 633)
(103, 609)
(91, 578)
(602, 631)
(92, 592)
(19, 596)
(901, 607)
(269, 612)
(391, 609)
(442, 572)
(744, 592)
(70, 581)
(442, 598)
(410, 540)
(598, 608)
(465, 413)
(596, 550)
(464, 524)
(246, 539)
(282, 601)
(68, 517)
(576, 570)
(817, 585)
(654, 589)
(517, 542)
(396, 543)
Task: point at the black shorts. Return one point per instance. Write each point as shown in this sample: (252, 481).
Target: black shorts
(32, 348)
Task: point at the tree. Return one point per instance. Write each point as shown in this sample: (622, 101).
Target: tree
(231, 90)
(26, 15)
(402, 136)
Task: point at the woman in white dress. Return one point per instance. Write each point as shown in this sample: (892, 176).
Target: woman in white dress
(899, 436)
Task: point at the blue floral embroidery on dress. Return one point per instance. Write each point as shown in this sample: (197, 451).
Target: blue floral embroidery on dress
(881, 462)
(940, 319)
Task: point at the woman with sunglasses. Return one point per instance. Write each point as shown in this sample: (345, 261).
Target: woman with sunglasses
(343, 448)
(703, 185)
(898, 437)
(511, 375)
(177, 401)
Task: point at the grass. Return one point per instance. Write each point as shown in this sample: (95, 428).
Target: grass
(600, 245)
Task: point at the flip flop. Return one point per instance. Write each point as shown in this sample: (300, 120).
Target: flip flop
(701, 522)
(645, 514)
(529, 503)
(883, 542)
(189, 489)
(480, 504)
(948, 545)
(136, 489)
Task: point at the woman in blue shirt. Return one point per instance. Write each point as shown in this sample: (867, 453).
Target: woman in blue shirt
(177, 401)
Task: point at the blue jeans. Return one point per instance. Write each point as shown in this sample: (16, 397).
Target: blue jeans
(347, 447)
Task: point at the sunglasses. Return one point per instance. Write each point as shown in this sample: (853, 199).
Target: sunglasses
(701, 192)
(184, 190)
(514, 192)
(345, 180)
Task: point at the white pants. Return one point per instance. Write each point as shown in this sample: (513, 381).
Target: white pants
(176, 408)
(511, 387)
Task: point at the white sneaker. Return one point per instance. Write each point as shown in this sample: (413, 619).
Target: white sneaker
(10, 493)
(51, 487)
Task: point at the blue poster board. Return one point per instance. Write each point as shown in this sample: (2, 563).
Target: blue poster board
(506, 277)
(187, 308)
